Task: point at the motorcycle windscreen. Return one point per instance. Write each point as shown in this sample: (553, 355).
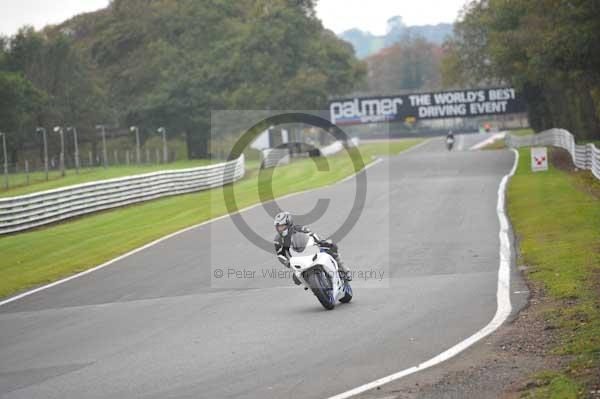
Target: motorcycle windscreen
(311, 250)
(303, 245)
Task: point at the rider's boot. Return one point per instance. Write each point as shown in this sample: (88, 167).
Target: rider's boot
(344, 272)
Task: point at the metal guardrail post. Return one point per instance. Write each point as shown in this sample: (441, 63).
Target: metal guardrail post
(136, 130)
(5, 160)
(61, 132)
(27, 172)
(43, 131)
(104, 156)
(163, 132)
(74, 130)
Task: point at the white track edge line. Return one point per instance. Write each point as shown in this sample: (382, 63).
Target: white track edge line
(176, 233)
(503, 309)
(487, 141)
(345, 179)
(414, 147)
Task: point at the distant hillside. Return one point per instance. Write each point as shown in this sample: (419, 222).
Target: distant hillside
(366, 44)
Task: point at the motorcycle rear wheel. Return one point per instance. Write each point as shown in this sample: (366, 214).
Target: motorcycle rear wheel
(348, 297)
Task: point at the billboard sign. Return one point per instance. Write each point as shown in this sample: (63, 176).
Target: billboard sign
(420, 106)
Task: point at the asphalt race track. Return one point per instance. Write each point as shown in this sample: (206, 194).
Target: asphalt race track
(157, 324)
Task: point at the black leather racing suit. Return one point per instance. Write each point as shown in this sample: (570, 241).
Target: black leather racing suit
(282, 246)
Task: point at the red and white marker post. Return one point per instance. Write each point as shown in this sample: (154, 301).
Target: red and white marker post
(539, 159)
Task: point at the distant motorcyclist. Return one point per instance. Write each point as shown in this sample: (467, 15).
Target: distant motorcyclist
(285, 227)
(450, 140)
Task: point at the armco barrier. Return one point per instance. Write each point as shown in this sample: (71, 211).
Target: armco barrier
(271, 157)
(585, 156)
(338, 146)
(37, 209)
(331, 149)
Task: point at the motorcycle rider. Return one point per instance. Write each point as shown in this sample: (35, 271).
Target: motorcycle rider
(285, 227)
(450, 139)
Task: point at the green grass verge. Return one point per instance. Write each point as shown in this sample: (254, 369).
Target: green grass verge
(45, 255)
(17, 182)
(522, 132)
(553, 385)
(496, 145)
(557, 223)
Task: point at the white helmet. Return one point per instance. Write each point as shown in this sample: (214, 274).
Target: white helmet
(283, 222)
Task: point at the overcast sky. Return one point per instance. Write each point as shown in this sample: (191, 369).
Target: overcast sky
(371, 15)
(337, 15)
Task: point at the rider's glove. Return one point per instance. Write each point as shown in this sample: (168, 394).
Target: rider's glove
(328, 244)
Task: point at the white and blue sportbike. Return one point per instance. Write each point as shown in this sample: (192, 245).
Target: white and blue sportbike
(318, 271)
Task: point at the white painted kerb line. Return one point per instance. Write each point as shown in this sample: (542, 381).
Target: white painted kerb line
(502, 296)
(489, 140)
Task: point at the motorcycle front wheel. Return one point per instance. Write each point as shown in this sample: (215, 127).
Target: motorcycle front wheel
(320, 284)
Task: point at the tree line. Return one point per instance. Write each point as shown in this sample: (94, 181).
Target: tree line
(169, 63)
(411, 64)
(44, 82)
(548, 49)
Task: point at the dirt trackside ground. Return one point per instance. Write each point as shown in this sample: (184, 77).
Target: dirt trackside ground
(551, 348)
